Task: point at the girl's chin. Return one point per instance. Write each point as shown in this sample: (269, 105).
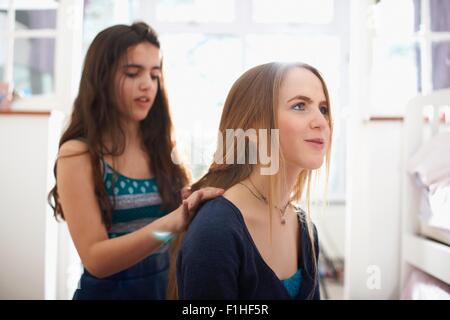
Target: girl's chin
(139, 116)
(307, 165)
(315, 166)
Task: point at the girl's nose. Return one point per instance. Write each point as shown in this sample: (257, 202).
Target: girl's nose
(319, 120)
(147, 83)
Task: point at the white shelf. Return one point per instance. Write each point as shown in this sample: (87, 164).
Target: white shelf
(430, 256)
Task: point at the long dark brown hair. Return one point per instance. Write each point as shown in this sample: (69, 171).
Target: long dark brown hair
(252, 104)
(96, 116)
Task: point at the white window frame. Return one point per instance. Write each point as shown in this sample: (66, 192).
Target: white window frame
(425, 37)
(67, 36)
(13, 34)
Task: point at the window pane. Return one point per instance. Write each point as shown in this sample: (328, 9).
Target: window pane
(3, 40)
(100, 14)
(441, 65)
(313, 50)
(417, 17)
(97, 16)
(293, 11)
(394, 76)
(3, 22)
(195, 10)
(4, 4)
(394, 18)
(419, 67)
(35, 19)
(34, 66)
(34, 5)
(199, 70)
(440, 17)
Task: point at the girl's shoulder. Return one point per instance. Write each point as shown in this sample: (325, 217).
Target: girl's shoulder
(217, 217)
(219, 210)
(72, 148)
(215, 225)
(74, 160)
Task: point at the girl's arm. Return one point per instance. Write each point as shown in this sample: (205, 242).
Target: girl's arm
(100, 255)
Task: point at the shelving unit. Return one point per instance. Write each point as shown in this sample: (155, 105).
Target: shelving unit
(430, 256)
(427, 255)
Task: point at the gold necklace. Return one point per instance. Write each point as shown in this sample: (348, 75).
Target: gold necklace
(262, 198)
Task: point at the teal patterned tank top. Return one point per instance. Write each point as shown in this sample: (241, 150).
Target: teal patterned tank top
(293, 283)
(137, 201)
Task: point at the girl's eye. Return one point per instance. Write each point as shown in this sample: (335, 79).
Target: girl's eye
(324, 110)
(299, 106)
(131, 75)
(154, 77)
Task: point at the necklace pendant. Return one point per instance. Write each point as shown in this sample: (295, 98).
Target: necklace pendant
(283, 220)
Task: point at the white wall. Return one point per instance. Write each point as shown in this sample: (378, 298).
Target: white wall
(28, 236)
(373, 214)
(330, 224)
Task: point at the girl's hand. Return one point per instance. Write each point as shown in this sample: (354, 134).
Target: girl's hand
(184, 214)
(185, 192)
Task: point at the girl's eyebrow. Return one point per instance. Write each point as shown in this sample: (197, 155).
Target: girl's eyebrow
(304, 98)
(139, 66)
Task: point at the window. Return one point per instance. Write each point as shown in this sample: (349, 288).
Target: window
(197, 88)
(207, 45)
(197, 11)
(394, 75)
(411, 52)
(394, 78)
(293, 11)
(100, 14)
(35, 19)
(437, 32)
(4, 40)
(28, 59)
(34, 70)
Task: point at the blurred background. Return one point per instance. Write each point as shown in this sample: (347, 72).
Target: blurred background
(375, 55)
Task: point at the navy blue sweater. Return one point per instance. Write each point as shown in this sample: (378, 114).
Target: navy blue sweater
(219, 260)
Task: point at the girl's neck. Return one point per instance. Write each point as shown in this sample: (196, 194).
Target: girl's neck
(133, 138)
(284, 190)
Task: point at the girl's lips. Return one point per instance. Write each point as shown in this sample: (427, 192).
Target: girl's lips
(316, 143)
(142, 99)
(144, 102)
(317, 140)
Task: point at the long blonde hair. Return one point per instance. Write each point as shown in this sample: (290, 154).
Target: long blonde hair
(252, 104)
